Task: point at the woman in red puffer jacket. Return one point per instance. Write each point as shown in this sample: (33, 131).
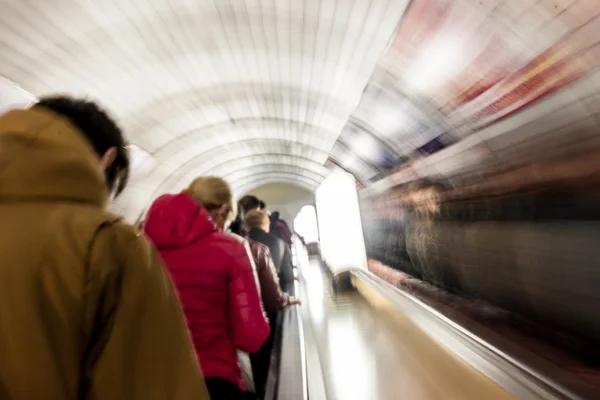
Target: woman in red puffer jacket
(214, 277)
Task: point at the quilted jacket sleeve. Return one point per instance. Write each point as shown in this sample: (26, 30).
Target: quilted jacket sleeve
(273, 298)
(248, 321)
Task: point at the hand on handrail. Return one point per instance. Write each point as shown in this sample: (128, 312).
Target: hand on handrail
(292, 301)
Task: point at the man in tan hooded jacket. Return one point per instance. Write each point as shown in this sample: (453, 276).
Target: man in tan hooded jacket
(86, 308)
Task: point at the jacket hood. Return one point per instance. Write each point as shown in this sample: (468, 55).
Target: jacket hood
(44, 157)
(176, 220)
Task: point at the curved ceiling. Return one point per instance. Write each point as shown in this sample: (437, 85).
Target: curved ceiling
(265, 92)
(254, 91)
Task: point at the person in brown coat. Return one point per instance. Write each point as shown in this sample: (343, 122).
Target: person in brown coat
(86, 309)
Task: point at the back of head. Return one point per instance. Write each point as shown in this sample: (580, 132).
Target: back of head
(62, 148)
(257, 219)
(176, 220)
(248, 203)
(262, 206)
(99, 129)
(213, 193)
(210, 191)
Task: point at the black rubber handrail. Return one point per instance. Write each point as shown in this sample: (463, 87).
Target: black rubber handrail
(287, 373)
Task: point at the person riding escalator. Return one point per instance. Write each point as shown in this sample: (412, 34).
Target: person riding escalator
(280, 228)
(257, 223)
(215, 278)
(87, 310)
(274, 300)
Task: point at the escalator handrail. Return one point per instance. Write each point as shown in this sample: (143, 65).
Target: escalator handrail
(287, 361)
(514, 376)
(303, 359)
(274, 371)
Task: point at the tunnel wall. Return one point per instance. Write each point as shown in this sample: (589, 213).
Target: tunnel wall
(549, 271)
(535, 253)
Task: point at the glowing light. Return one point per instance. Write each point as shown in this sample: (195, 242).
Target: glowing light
(439, 61)
(340, 226)
(305, 224)
(391, 117)
(365, 146)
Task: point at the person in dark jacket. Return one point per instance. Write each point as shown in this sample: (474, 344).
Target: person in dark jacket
(261, 360)
(274, 300)
(215, 278)
(237, 226)
(245, 205)
(258, 225)
(280, 228)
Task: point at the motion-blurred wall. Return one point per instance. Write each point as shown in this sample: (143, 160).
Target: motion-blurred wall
(533, 252)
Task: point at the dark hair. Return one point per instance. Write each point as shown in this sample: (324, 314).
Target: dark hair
(262, 205)
(99, 129)
(248, 203)
(237, 225)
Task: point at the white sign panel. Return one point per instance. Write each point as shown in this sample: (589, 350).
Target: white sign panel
(340, 226)
(305, 224)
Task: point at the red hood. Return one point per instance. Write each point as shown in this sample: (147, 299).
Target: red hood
(176, 220)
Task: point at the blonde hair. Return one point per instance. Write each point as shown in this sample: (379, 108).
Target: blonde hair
(212, 193)
(256, 219)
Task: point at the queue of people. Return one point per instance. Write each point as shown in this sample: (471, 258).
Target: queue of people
(253, 220)
(92, 308)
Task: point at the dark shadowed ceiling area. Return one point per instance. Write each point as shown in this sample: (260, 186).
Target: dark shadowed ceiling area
(281, 92)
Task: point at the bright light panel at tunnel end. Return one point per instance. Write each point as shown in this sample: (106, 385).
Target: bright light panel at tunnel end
(340, 226)
(305, 224)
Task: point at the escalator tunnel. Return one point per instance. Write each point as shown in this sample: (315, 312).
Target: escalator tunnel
(455, 257)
